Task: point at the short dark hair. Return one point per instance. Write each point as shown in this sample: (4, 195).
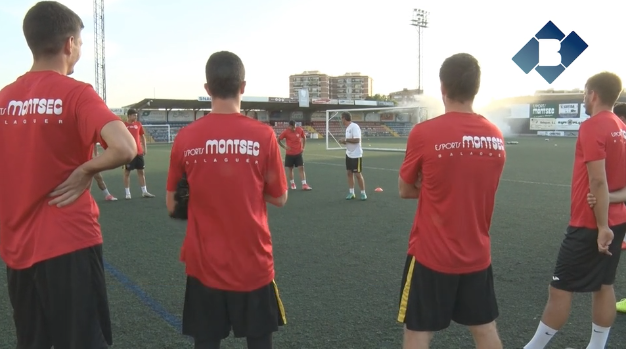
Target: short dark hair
(608, 87)
(346, 116)
(292, 123)
(460, 76)
(620, 110)
(131, 112)
(48, 25)
(224, 74)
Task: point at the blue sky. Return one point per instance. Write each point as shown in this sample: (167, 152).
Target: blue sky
(160, 48)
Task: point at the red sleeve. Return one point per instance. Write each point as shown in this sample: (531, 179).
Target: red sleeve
(302, 134)
(141, 133)
(282, 135)
(92, 114)
(413, 159)
(275, 180)
(177, 165)
(592, 142)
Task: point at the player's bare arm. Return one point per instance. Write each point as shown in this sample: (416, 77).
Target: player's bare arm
(170, 203)
(353, 140)
(121, 149)
(615, 197)
(144, 144)
(599, 188)
(282, 145)
(303, 140)
(409, 190)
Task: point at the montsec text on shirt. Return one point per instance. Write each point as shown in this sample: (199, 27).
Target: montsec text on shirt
(473, 142)
(33, 106)
(226, 147)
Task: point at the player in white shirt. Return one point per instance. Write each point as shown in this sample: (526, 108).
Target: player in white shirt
(354, 155)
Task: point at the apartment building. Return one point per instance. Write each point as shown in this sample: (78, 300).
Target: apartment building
(315, 82)
(351, 86)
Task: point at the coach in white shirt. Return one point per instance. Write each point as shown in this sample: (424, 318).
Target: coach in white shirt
(354, 155)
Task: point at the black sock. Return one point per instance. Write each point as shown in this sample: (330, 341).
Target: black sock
(263, 342)
(207, 344)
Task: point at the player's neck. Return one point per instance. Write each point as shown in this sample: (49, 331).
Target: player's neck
(226, 106)
(455, 107)
(54, 64)
(599, 109)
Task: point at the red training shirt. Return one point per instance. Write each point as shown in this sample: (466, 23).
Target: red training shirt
(231, 161)
(461, 157)
(49, 124)
(136, 129)
(294, 140)
(600, 137)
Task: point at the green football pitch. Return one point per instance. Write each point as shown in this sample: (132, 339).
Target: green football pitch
(338, 262)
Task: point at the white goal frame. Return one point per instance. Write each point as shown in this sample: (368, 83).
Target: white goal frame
(170, 139)
(331, 113)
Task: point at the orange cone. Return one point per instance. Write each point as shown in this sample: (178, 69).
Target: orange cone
(378, 189)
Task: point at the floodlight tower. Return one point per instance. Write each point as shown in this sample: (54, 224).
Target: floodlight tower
(420, 22)
(98, 36)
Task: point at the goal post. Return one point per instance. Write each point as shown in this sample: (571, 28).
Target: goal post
(382, 129)
(159, 133)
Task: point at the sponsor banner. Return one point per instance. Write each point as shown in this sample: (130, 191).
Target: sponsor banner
(303, 98)
(384, 104)
(551, 133)
(387, 117)
(373, 117)
(544, 110)
(357, 116)
(282, 100)
(297, 115)
(254, 99)
(541, 124)
(568, 110)
(148, 116)
(324, 101)
(346, 102)
(181, 116)
(368, 103)
(204, 99)
(519, 111)
(571, 124)
(318, 116)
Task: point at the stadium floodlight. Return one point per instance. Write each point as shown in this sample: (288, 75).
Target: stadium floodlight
(382, 129)
(420, 22)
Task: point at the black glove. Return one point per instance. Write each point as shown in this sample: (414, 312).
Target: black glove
(182, 199)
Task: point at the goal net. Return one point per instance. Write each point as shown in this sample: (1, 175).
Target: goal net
(382, 129)
(160, 133)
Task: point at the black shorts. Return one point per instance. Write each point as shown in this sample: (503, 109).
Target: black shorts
(354, 164)
(430, 300)
(62, 302)
(579, 265)
(137, 164)
(210, 314)
(294, 160)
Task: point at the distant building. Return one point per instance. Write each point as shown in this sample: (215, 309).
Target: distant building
(315, 82)
(406, 96)
(350, 86)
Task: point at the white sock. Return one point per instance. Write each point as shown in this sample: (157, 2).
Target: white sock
(624, 238)
(599, 337)
(351, 190)
(362, 191)
(543, 335)
(106, 192)
(292, 182)
(303, 181)
(144, 189)
(127, 190)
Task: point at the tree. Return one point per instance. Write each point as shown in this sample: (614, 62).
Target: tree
(381, 98)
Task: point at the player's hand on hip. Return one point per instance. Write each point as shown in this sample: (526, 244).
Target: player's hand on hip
(73, 187)
(591, 200)
(287, 148)
(605, 238)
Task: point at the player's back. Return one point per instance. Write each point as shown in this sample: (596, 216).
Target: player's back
(42, 144)
(463, 159)
(227, 161)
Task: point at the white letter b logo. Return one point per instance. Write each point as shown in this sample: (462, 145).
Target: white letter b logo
(549, 52)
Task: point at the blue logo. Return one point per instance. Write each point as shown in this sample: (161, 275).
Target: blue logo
(568, 49)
